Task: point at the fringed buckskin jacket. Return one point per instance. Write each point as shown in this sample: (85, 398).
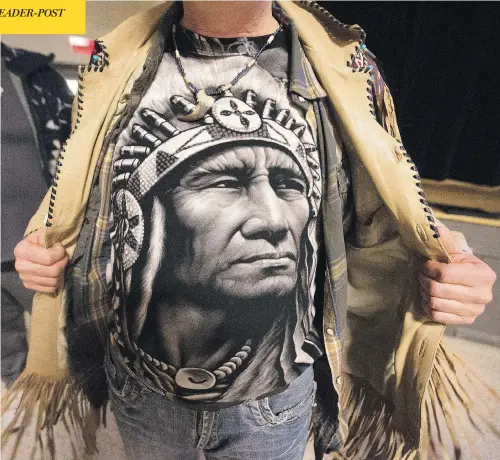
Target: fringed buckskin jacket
(386, 378)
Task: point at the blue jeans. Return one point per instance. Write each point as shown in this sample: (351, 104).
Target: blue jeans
(154, 427)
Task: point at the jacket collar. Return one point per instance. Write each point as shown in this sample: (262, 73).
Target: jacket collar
(303, 81)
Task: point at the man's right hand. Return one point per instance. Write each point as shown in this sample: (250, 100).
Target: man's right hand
(40, 268)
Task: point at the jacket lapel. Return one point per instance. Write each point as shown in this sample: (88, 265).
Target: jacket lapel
(100, 93)
(367, 142)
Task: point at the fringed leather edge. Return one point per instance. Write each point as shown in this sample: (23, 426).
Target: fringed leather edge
(384, 104)
(388, 114)
(457, 408)
(371, 433)
(42, 402)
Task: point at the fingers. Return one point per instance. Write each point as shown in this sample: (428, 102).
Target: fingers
(461, 242)
(37, 237)
(433, 305)
(455, 293)
(40, 278)
(450, 318)
(476, 294)
(464, 270)
(40, 268)
(454, 242)
(46, 281)
(30, 270)
(33, 252)
(448, 240)
(37, 282)
(38, 288)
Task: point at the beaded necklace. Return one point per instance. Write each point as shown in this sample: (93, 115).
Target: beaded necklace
(204, 98)
(189, 378)
(198, 379)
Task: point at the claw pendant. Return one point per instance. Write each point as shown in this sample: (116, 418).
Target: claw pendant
(204, 103)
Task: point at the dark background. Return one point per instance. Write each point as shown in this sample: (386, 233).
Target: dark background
(441, 60)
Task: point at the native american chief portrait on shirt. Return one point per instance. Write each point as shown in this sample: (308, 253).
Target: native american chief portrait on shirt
(215, 241)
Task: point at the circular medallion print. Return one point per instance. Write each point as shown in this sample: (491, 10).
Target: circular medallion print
(128, 228)
(192, 378)
(236, 115)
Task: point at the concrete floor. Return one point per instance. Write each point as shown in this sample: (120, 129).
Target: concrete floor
(484, 359)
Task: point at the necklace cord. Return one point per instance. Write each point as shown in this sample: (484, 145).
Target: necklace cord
(221, 88)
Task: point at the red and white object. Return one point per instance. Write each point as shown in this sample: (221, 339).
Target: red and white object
(82, 45)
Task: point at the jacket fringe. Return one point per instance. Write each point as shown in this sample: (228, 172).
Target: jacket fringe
(42, 402)
(457, 408)
(386, 112)
(389, 121)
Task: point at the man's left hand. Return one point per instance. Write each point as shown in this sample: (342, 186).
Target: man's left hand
(458, 292)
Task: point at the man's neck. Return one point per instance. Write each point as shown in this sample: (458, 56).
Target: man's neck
(227, 19)
(185, 334)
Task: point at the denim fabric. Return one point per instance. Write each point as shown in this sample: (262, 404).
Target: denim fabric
(154, 427)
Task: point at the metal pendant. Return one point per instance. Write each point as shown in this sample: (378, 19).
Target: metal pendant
(204, 103)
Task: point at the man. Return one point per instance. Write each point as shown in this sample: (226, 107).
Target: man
(220, 150)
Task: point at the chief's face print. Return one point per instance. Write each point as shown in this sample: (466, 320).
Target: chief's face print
(239, 217)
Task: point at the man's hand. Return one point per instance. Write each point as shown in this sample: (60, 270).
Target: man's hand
(40, 268)
(455, 293)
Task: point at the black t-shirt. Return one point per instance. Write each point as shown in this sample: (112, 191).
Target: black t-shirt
(214, 226)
